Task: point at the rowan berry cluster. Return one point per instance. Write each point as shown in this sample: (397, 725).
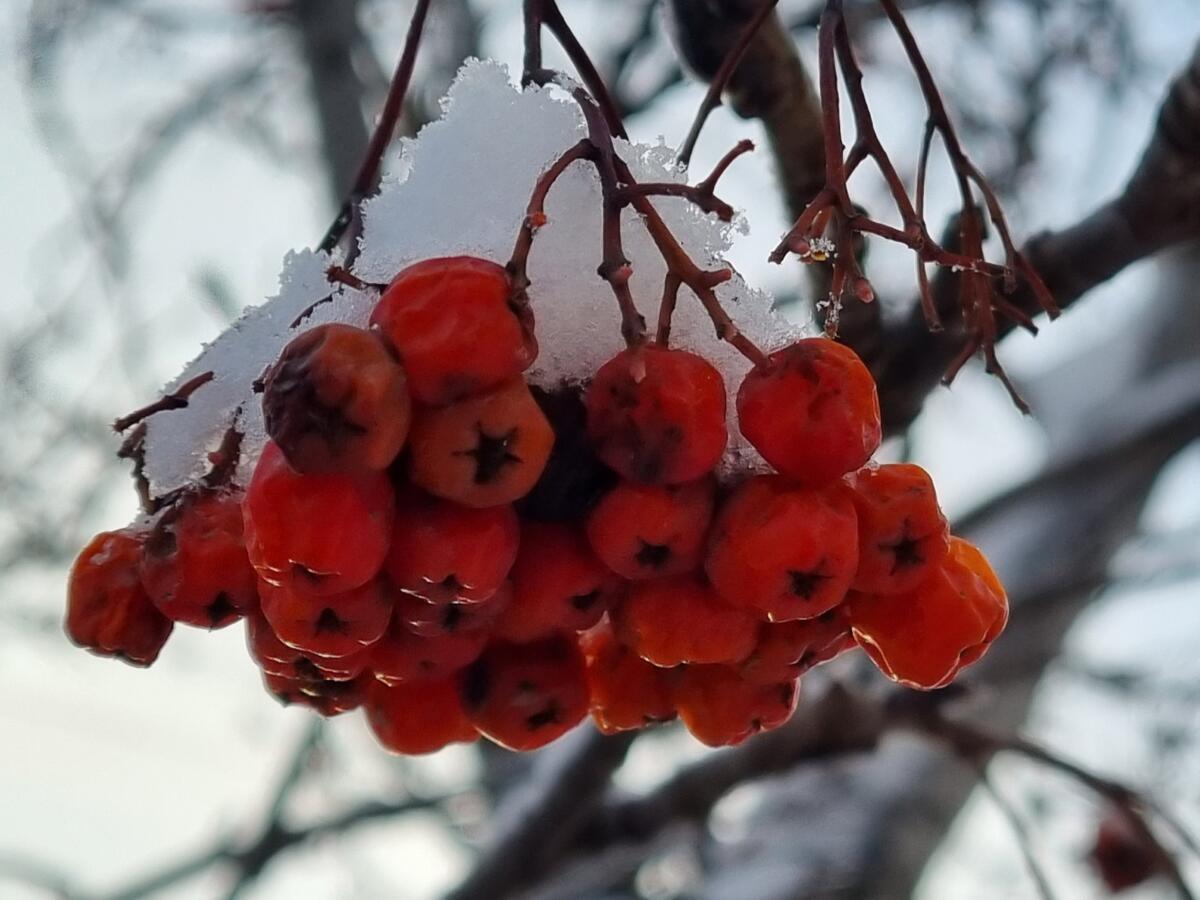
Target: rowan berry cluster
(427, 536)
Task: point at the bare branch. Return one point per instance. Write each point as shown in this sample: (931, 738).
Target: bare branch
(1159, 207)
(539, 822)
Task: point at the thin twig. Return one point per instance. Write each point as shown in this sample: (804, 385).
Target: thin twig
(349, 218)
(1020, 831)
(712, 98)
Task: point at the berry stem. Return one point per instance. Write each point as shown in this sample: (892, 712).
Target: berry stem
(535, 218)
(619, 189)
(701, 194)
(682, 266)
(545, 13)
(176, 399)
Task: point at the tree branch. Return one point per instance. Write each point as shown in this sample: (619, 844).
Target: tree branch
(542, 819)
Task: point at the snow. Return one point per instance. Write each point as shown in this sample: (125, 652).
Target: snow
(461, 187)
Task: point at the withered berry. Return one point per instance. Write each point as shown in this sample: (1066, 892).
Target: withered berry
(337, 401)
(923, 638)
(108, 611)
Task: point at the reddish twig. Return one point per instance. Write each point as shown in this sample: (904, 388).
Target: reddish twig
(702, 194)
(176, 399)
(712, 98)
(825, 230)
(545, 13)
(619, 188)
(535, 218)
(349, 219)
(683, 268)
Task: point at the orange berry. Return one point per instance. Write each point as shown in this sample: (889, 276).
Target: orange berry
(924, 637)
(451, 322)
(902, 533)
(523, 696)
(108, 610)
(647, 531)
(812, 411)
(418, 718)
(670, 621)
(626, 691)
(657, 416)
(337, 401)
(194, 565)
(721, 708)
(487, 450)
(785, 551)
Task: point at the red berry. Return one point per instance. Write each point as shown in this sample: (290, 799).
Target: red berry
(339, 668)
(327, 624)
(670, 621)
(108, 611)
(646, 531)
(418, 718)
(271, 654)
(786, 650)
(325, 533)
(329, 698)
(487, 450)
(626, 691)
(337, 401)
(443, 552)
(657, 415)
(433, 619)
(902, 533)
(451, 322)
(523, 696)
(194, 566)
(720, 707)
(923, 638)
(403, 656)
(1122, 857)
(558, 585)
(785, 551)
(812, 411)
